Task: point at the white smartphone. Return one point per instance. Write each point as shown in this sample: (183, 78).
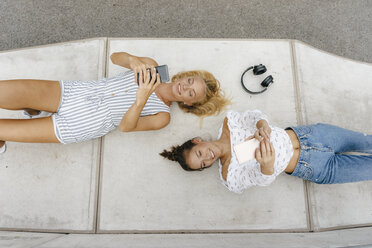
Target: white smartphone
(246, 151)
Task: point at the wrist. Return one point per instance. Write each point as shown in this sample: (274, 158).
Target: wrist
(267, 172)
(267, 169)
(140, 102)
(131, 59)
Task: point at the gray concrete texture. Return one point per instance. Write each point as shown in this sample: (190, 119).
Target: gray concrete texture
(352, 238)
(342, 27)
(55, 191)
(335, 91)
(107, 186)
(163, 196)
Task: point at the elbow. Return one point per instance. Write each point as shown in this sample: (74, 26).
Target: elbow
(113, 58)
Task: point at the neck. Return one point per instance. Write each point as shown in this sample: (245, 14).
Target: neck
(164, 91)
(223, 146)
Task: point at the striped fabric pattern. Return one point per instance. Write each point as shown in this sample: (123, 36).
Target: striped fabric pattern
(91, 109)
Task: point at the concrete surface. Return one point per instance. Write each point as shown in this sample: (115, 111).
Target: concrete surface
(357, 238)
(341, 27)
(141, 192)
(336, 91)
(25, 239)
(50, 186)
(163, 196)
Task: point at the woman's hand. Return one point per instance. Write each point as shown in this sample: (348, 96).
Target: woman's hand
(137, 64)
(265, 155)
(260, 134)
(146, 86)
(263, 130)
(138, 67)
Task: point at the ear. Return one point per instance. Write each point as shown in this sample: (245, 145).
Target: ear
(196, 140)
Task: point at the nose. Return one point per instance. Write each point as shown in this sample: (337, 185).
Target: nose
(207, 155)
(185, 86)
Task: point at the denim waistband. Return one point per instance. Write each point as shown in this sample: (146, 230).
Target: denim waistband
(302, 133)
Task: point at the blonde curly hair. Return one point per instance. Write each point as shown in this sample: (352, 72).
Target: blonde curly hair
(214, 101)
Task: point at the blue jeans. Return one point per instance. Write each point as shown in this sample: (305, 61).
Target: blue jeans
(321, 160)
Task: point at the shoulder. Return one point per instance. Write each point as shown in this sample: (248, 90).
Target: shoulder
(164, 116)
(225, 123)
(230, 116)
(225, 170)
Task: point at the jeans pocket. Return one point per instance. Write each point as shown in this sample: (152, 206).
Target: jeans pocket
(306, 172)
(305, 131)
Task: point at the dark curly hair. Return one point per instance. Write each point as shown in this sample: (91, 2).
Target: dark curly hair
(177, 153)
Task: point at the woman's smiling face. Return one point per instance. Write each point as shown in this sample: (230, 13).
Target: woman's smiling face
(202, 155)
(189, 90)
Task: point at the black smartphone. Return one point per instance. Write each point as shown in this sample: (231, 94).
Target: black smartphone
(162, 70)
(163, 73)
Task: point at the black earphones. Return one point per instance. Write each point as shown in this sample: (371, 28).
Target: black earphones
(258, 70)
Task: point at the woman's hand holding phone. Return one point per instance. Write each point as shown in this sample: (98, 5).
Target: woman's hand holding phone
(147, 84)
(262, 126)
(261, 133)
(138, 67)
(265, 154)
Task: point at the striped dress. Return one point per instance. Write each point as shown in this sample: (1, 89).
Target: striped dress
(91, 109)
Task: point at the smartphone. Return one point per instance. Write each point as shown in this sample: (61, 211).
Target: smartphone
(246, 151)
(162, 70)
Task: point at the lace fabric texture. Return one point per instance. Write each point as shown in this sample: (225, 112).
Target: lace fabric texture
(242, 176)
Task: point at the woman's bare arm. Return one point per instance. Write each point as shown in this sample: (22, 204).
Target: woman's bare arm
(132, 121)
(130, 61)
(145, 123)
(137, 64)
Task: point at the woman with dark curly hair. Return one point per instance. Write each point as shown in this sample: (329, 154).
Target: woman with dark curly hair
(312, 152)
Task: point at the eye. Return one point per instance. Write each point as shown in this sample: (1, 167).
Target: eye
(189, 80)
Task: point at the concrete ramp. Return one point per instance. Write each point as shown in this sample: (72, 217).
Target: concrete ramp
(119, 183)
(356, 238)
(337, 91)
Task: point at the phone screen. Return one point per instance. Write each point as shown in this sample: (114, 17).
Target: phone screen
(163, 73)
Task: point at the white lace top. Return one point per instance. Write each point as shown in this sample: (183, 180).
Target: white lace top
(242, 176)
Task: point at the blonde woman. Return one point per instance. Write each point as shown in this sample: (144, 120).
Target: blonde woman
(84, 110)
